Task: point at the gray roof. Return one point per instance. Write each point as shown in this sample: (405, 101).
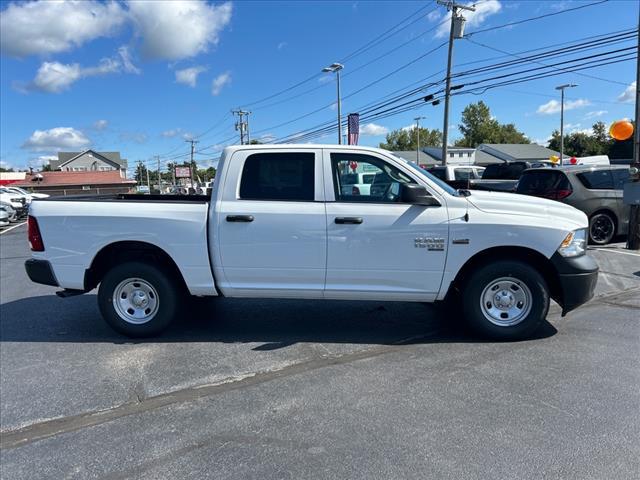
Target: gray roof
(410, 155)
(517, 151)
(66, 156)
(484, 158)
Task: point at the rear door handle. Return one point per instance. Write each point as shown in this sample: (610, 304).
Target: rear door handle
(239, 218)
(349, 220)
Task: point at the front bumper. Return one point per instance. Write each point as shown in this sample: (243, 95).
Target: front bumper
(577, 278)
(40, 271)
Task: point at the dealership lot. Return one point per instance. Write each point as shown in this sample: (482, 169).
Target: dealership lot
(299, 389)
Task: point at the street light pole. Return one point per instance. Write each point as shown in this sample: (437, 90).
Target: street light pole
(417, 119)
(456, 21)
(335, 68)
(561, 88)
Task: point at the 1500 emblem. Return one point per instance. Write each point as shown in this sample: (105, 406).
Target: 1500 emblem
(430, 243)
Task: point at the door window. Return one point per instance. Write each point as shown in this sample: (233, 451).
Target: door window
(278, 176)
(385, 184)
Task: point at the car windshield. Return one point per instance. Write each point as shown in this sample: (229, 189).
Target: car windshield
(443, 185)
(19, 190)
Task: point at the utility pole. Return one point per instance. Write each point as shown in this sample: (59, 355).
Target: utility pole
(148, 181)
(159, 182)
(192, 142)
(456, 30)
(633, 238)
(242, 125)
(562, 88)
(173, 173)
(417, 119)
(335, 68)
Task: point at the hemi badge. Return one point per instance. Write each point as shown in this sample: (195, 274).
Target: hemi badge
(460, 241)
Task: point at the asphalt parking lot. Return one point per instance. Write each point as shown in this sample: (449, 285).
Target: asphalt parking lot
(293, 389)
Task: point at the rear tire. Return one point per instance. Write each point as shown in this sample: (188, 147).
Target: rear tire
(602, 228)
(138, 299)
(505, 300)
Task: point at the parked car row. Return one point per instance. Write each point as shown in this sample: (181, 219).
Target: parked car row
(14, 204)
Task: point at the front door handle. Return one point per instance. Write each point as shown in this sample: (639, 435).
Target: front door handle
(239, 218)
(349, 220)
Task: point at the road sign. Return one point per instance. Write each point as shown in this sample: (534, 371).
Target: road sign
(183, 172)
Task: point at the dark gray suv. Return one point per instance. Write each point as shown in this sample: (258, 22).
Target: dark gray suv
(594, 189)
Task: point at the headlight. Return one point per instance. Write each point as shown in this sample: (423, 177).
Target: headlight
(574, 244)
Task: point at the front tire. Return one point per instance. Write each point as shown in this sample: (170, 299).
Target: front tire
(505, 300)
(138, 299)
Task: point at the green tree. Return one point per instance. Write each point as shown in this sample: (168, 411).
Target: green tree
(598, 142)
(2, 169)
(407, 139)
(478, 126)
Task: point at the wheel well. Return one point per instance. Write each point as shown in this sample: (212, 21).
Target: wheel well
(526, 255)
(121, 252)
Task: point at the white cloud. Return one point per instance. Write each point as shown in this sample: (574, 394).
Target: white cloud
(597, 113)
(372, 130)
(100, 125)
(473, 19)
(55, 77)
(553, 106)
(56, 139)
(43, 27)
(41, 161)
(219, 82)
(171, 133)
(434, 15)
(325, 78)
(282, 45)
(127, 62)
(189, 76)
(570, 126)
(629, 95)
(178, 29)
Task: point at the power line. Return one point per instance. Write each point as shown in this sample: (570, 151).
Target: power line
(531, 19)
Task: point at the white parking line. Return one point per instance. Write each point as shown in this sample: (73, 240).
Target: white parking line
(11, 228)
(609, 250)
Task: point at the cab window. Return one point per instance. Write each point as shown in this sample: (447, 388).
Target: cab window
(385, 179)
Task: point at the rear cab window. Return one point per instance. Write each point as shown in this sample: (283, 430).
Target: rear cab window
(281, 176)
(506, 171)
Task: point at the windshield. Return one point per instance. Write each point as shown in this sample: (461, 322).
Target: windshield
(446, 187)
(18, 189)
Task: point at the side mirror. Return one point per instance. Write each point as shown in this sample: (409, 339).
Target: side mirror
(417, 195)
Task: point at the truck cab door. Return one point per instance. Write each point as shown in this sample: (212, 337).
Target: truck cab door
(378, 247)
(271, 229)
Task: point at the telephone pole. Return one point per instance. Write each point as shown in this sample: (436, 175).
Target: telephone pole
(455, 31)
(193, 143)
(148, 181)
(633, 190)
(417, 119)
(242, 125)
(159, 182)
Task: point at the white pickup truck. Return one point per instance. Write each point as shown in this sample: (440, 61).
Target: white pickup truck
(279, 225)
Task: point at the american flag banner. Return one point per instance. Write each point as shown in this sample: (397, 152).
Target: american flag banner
(353, 128)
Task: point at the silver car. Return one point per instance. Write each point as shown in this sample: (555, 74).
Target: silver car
(595, 189)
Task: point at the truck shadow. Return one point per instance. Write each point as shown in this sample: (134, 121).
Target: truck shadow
(273, 323)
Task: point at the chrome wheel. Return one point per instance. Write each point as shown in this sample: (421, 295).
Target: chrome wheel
(135, 301)
(506, 301)
(601, 228)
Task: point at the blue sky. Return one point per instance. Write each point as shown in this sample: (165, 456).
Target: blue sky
(140, 77)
